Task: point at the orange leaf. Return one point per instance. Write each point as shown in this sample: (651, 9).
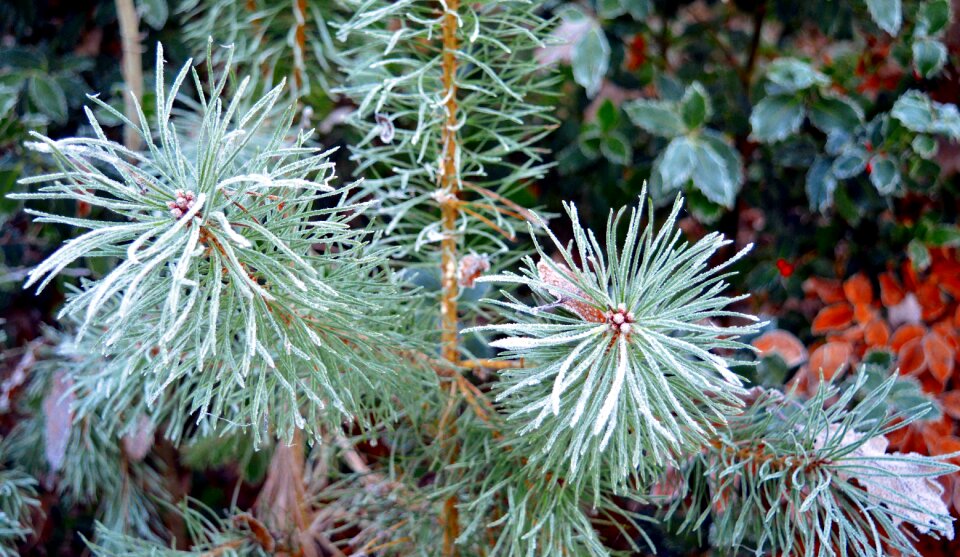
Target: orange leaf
(876, 333)
(831, 359)
(939, 355)
(891, 293)
(911, 358)
(946, 329)
(828, 290)
(931, 301)
(858, 289)
(833, 318)
(950, 402)
(863, 312)
(783, 344)
(950, 282)
(909, 274)
(904, 333)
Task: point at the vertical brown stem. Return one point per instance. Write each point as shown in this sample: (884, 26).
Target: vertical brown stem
(450, 188)
(300, 41)
(132, 67)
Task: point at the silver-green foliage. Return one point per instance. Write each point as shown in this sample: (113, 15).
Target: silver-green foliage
(240, 285)
(622, 374)
(277, 40)
(396, 78)
(18, 499)
(811, 477)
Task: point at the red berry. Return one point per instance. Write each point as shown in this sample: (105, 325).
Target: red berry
(785, 268)
(869, 167)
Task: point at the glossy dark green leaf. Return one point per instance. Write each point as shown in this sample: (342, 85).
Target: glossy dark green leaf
(888, 14)
(48, 97)
(695, 106)
(820, 185)
(933, 17)
(616, 148)
(929, 56)
(153, 12)
(790, 75)
(657, 117)
(776, 117)
(608, 116)
(850, 163)
(835, 113)
(924, 145)
(591, 59)
(884, 174)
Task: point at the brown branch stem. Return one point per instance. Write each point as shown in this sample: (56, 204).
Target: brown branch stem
(132, 68)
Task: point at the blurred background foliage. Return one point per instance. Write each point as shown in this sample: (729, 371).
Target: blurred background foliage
(824, 132)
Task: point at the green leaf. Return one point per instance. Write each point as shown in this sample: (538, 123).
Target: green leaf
(591, 59)
(711, 176)
(888, 14)
(933, 17)
(616, 148)
(776, 117)
(884, 174)
(924, 145)
(914, 110)
(47, 95)
(695, 106)
(610, 9)
(919, 255)
(153, 12)
(656, 117)
(850, 163)
(929, 56)
(608, 116)
(790, 75)
(944, 235)
(639, 9)
(677, 163)
(732, 161)
(589, 141)
(8, 99)
(835, 114)
(820, 185)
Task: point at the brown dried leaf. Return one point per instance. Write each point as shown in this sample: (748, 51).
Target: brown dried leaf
(138, 443)
(563, 290)
(896, 482)
(58, 420)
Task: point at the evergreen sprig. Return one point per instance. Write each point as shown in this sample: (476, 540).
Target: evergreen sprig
(622, 373)
(812, 477)
(240, 280)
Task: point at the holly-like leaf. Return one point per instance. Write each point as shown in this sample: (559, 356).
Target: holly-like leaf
(831, 114)
(591, 59)
(660, 118)
(820, 184)
(887, 14)
(789, 75)
(851, 162)
(695, 106)
(677, 163)
(885, 175)
(47, 95)
(616, 148)
(929, 56)
(153, 12)
(776, 117)
(933, 17)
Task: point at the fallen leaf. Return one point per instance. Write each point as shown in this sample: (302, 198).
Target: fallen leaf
(950, 402)
(939, 356)
(831, 359)
(876, 333)
(830, 291)
(911, 357)
(905, 334)
(782, 343)
(858, 289)
(931, 301)
(891, 293)
(833, 318)
(864, 312)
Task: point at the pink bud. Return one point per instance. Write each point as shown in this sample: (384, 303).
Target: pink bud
(621, 307)
(625, 328)
(177, 213)
(630, 316)
(618, 318)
